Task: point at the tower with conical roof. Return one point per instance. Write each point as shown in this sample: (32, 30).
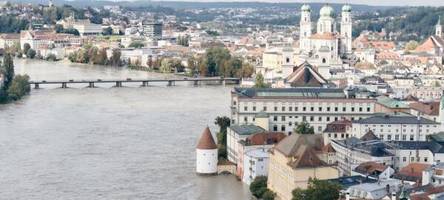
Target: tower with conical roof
(206, 154)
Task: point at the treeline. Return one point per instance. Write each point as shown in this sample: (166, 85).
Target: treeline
(93, 55)
(12, 87)
(217, 61)
(12, 24)
(416, 23)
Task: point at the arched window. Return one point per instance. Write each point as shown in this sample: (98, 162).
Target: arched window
(324, 60)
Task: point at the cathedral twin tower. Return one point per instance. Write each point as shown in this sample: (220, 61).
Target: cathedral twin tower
(327, 38)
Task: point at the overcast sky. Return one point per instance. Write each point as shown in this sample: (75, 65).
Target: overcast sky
(368, 2)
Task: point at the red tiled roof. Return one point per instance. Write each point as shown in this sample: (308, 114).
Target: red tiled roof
(265, 138)
(323, 36)
(429, 108)
(206, 141)
(338, 126)
(370, 168)
(305, 76)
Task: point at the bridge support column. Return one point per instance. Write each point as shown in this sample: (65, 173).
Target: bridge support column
(196, 83)
(144, 83)
(36, 86)
(171, 83)
(224, 82)
(64, 85)
(118, 83)
(91, 85)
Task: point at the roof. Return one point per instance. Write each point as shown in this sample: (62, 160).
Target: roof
(264, 138)
(369, 136)
(206, 141)
(338, 126)
(246, 129)
(374, 148)
(370, 168)
(328, 149)
(348, 181)
(429, 108)
(308, 93)
(391, 103)
(302, 148)
(306, 76)
(412, 172)
(430, 44)
(323, 36)
(424, 192)
(394, 119)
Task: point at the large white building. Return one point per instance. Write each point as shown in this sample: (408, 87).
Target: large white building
(286, 107)
(325, 47)
(396, 127)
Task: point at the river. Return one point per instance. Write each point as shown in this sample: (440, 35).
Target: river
(108, 143)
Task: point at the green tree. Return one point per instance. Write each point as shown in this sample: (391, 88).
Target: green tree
(26, 48)
(317, 190)
(31, 53)
(107, 31)
(115, 58)
(7, 70)
(136, 44)
(51, 57)
(101, 58)
(304, 128)
(215, 57)
(259, 188)
(246, 71)
(19, 87)
(223, 123)
(411, 45)
(268, 195)
(176, 64)
(260, 81)
(165, 66)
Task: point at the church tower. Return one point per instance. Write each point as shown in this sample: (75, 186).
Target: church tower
(305, 29)
(346, 30)
(326, 23)
(439, 28)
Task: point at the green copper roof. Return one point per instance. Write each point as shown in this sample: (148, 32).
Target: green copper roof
(391, 103)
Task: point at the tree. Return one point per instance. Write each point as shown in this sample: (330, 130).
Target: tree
(101, 58)
(8, 70)
(26, 48)
(31, 53)
(215, 57)
(304, 128)
(411, 45)
(246, 71)
(176, 64)
(260, 82)
(223, 123)
(136, 44)
(107, 31)
(19, 87)
(165, 66)
(259, 188)
(317, 190)
(115, 58)
(51, 57)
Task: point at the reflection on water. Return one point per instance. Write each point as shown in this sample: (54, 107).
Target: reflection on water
(108, 143)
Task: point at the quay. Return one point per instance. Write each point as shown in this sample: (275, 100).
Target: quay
(143, 82)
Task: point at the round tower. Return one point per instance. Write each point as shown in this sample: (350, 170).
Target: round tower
(346, 30)
(305, 29)
(206, 154)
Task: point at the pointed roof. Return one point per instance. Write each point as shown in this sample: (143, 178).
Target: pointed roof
(302, 149)
(206, 141)
(306, 76)
(369, 136)
(430, 44)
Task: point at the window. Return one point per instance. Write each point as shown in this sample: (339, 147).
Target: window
(404, 137)
(311, 118)
(320, 109)
(319, 128)
(304, 108)
(425, 159)
(275, 128)
(275, 118)
(295, 108)
(282, 128)
(254, 108)
(343, 109)
(368, 109)
(234, 102)
(283, 108)
(360, 109)
(275, 108)
(290, 109)
(245, 108)
(283, 118)
(396, 137)
(265, 108)
(389, 137)
(304, 118)
(404, 159)
(336, 109)
(328, 119)
(312, 109)
(245, 119)
(328, 109)
(320, 119)
(411, 138)
(353, 109)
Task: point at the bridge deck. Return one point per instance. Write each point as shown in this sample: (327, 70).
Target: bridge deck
(135, 80)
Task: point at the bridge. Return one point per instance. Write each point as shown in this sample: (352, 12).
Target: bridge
(143, 82)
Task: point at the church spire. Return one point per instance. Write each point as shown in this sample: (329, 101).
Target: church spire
(439, 28)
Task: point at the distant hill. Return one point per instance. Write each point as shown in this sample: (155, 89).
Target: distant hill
(194, 5)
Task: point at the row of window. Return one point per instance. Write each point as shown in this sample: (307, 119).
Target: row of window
(404, 125)
(412, 159)
(311, 109)
(397, 130)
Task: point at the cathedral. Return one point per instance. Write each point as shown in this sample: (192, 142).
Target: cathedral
(327, 46)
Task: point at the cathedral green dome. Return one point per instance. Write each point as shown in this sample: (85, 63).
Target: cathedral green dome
(306, 7)
(327, 11)
(346, 8)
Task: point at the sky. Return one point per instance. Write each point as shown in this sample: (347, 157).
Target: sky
(367, 2)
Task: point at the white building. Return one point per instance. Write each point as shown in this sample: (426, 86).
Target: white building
(235, 133)
(85, 28)
(286, 107)
(396, 127)
(255, 164)
(206, 154)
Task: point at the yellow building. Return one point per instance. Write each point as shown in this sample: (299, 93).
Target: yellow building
(295, 160)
